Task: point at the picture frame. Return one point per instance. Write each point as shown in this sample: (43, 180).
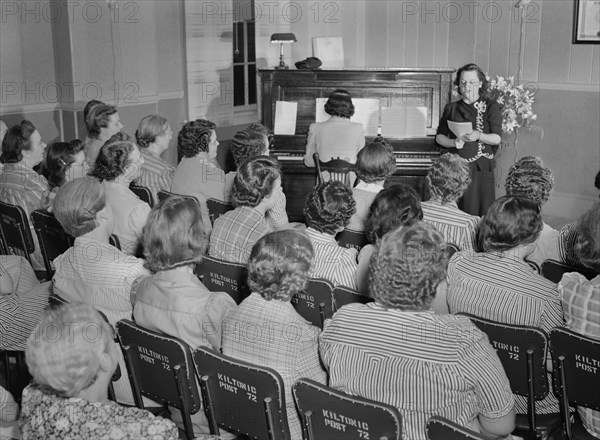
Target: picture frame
(586, 22)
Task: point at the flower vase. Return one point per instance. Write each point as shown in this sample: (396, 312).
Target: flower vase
(505, 156)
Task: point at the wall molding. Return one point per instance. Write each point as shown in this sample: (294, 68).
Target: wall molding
(567, 87)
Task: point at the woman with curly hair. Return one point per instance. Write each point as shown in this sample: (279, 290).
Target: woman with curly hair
(265, 329)
(393, 208)
(72, 357)
(256, 190)
(396, 351)
(248, 144)
(477, 147)
(103, 122)
(327, 211)
(529, 178)
(118, 164)
(498, 284)
(22, 150)
(153, 136)
(337, 136)
(374, 165)
(173, 300)
(448, 178)
(198, 174)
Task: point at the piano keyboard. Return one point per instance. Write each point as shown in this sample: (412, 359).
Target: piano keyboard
(404, 160)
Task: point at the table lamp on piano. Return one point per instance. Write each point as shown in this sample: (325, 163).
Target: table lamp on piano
(282, 39)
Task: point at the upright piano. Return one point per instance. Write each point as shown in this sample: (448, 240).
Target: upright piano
(428, 87)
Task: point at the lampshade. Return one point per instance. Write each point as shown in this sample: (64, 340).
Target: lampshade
(283, 38)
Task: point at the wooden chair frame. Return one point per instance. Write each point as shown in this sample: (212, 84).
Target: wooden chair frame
(338, 169)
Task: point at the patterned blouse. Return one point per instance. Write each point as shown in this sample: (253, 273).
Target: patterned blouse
(51, 417)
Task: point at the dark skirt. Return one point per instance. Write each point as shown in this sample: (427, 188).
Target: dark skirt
(481, 193)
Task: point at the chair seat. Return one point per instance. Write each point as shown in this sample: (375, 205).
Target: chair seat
(546, 425)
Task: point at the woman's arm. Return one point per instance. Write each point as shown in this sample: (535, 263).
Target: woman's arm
(311, 147)
(446, 142)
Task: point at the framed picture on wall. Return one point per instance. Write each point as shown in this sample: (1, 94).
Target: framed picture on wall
(586, 22)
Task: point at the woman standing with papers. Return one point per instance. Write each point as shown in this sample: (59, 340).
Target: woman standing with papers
(477, 142)
(337, 136)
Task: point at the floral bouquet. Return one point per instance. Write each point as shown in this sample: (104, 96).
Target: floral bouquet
(516, 102)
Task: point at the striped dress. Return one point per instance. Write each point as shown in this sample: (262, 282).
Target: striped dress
(456, 226)
(331, 261)
(156, 173)
(505, 289)
(419, 362)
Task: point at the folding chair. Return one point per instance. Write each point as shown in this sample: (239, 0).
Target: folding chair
(162, 195)
(345, 295)
(241, 397)
(216, 208)
(352, 239)
(522, 351)
(15, 230)
(315, 303)
(554, 270)
(576, 376)
(53, 239)
(321, 407)
(440, 428)
(338, 169)
(534, 266)
(160, 367)
(224, 276)
(143, 193)
(15, 372)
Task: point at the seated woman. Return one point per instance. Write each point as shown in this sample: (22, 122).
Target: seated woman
(394, 207)
(396, 351)
(153, 136)
(277, 270)
(529, 178)
(448, 178)
(23, 300)
(92, 271)
(9, 409)
(374, 165)
(174, 301)
(23, 149)
(499, 285)
(64, 161)
(581, 297)
(118, 164)
(248, 144)
(337, 136)
(72, 357)
(102, 122)
(327, 211)
(256, 190)
(198, 174)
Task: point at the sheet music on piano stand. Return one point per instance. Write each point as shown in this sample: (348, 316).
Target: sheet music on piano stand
(401, 122)
(285, 117)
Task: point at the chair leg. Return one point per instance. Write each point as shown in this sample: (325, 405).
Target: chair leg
(135, 388)
(181, 380)
(209, 406)
(307, 417)
(531, 397)
(564, 401)
(270, 418)
(322, 314)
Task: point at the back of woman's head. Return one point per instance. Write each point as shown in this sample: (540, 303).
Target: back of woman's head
(255, 180)
(329, 207)
(194, 137)
(529, 178)
(279, 264)
(113, 159)
(16, 139)
(64, 351)
(59, 156)
(406, 266)
(395, 206)
(88, 109)
(509, 222)
(174, 234)
(246, 145)
(375, 162)
(76, 204)
(149, 128)
(587, 247)
(99, 118)
(448, 177)
(340, 104)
